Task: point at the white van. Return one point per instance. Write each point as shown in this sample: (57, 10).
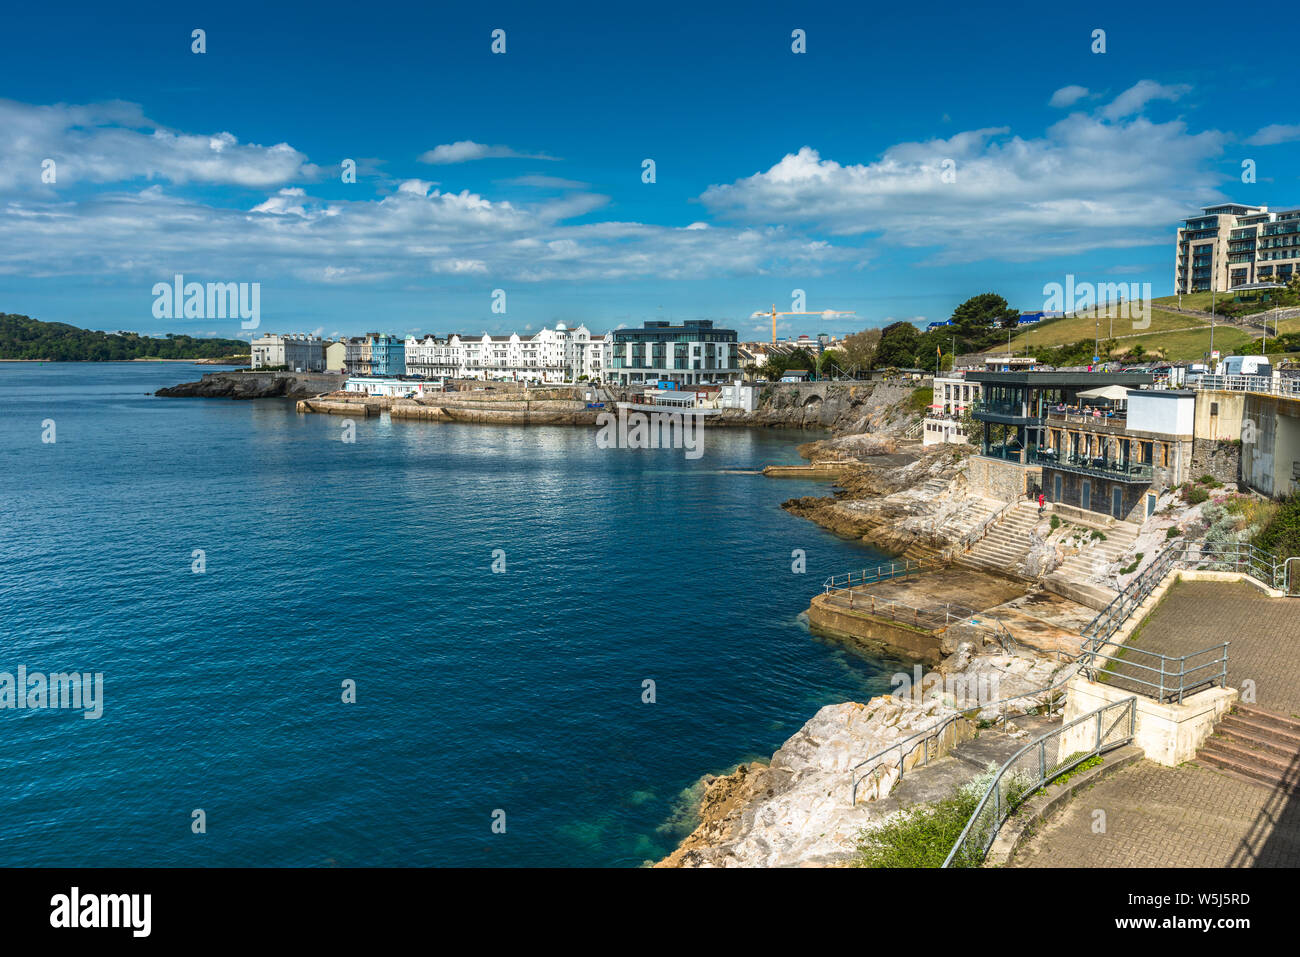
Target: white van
(1246, 365)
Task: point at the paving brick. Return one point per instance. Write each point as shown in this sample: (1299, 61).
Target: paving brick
(1187, 816)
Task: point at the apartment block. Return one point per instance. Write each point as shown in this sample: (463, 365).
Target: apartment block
(297, 353)
(1232, 245)
(690, 354)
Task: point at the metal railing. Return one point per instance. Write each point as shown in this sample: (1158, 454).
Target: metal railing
(1092, 465)
(1112, 617)
(1159, 676)
(937, 615)
(979, 531)
(1042, 700)
(1243, 557)
(1036, 764)
(881, 573)
(1269, 385)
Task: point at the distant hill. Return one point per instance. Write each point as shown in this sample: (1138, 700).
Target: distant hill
(1168, 334)
(22, 337)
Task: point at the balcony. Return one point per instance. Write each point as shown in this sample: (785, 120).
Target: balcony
(1003, 413)
(1093, 465)
(1113, 424)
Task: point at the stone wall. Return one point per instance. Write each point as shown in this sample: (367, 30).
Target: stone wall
(1004, 481)
(1221, 459)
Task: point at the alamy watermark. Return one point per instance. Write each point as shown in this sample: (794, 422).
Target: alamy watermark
(179, 299)
(68, 690)
(651, 430)
(960, 688)
(1113, 300)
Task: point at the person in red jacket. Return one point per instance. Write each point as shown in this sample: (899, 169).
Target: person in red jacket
(1041, 500)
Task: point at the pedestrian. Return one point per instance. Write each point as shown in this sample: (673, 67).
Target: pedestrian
(1041, 501)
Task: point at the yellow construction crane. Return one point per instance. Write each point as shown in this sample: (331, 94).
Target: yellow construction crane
(825, 313)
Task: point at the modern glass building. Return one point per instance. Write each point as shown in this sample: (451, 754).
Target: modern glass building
(1014, 406)
(693, 353)
(1230, 245)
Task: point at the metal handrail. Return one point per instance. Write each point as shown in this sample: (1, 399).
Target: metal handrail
(935, 730)
(1126, 707)
(1164, 688)
(889, 607)
(1098, 633)
(982, 529)
(872, 576)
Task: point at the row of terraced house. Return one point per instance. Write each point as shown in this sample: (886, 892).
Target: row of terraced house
(693, 353)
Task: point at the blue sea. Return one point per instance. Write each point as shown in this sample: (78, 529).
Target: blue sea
(513, 696)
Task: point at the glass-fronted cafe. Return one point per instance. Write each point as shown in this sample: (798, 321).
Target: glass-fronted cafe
(1014, 408)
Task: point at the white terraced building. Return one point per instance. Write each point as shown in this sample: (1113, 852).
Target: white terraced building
(551, 355)
(297, 353)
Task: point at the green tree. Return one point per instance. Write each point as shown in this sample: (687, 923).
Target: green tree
(898, 345)
(860, 348)
(832, 363)
(801, 358)
(978, 314)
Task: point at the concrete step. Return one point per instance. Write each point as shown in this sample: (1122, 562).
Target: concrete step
(1283, 763)
(1247, 768)
(1256, 738)
(1272, 719)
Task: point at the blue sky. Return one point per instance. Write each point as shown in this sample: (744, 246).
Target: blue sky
(775, 171)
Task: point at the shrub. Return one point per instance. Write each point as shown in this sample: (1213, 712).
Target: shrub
(1281, 535)
(1174, 532)
(920, 399)
(1137, 560)
(1195, 496)
(922, 836)
(1056, 522)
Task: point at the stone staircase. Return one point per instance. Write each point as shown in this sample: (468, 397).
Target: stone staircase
(1070, 579)
(1256, 744)
(1003, 549)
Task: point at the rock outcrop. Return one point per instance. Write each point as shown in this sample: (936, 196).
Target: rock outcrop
(840, 407)
(913, 503)
(796, 811)
(255, 385)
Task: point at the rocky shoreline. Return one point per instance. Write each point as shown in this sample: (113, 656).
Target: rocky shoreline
(255, 385)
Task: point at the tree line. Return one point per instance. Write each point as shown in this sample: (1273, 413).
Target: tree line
(977, 324)
(22, 337)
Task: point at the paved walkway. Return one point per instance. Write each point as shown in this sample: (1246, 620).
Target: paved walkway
(1155, 816)
(1264, 634)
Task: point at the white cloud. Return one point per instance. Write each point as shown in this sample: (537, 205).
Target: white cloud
(1067, 96)
(1135, 98)
(463, 151)
(545, 182)
(1275, 133)
(115, 143)
(1088, 182)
